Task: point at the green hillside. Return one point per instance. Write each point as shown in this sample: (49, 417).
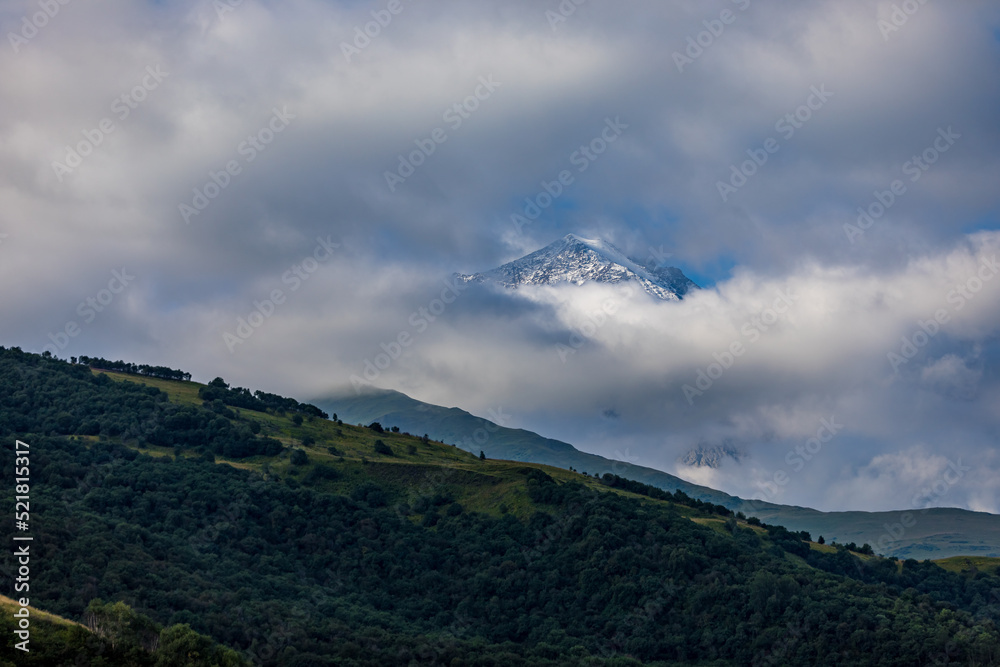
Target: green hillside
(116, 635)
(934, 533)
(969, 565)
(296, 540)
(458, 427)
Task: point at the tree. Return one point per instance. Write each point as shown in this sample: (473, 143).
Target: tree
(180, 645)
(375, 426)
(482, 456)
(121, 626)
(299, 457)
(297, 419)
(822, 540)
(383, 449)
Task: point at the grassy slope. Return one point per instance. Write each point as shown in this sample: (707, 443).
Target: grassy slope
(456, 426)
(8, 606)
(482, 486)
(485, 486)
(937, 533)
(969, 564)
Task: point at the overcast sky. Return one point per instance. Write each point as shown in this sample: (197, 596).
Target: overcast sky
(180, 164)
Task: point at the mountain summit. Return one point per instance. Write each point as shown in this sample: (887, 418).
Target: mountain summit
(577, 260)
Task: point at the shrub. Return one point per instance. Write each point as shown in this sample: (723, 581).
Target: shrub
(370, 493)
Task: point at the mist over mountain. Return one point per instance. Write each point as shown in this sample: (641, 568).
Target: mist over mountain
(712, 456)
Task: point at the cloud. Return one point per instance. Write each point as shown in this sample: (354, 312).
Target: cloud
(205, 130)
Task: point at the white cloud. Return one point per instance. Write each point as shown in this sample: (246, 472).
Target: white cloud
(827, 355)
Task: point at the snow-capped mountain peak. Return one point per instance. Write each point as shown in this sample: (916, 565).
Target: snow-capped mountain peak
(577, 260)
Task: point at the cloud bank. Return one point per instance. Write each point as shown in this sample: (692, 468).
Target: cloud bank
(172, 174)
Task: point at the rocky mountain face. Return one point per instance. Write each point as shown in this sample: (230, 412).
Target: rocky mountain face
(708, 456)
(577, 261)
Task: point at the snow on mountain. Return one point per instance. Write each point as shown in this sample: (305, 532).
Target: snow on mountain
(577, 260)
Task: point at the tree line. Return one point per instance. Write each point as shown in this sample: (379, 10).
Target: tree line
(261, 401)
(120, 366)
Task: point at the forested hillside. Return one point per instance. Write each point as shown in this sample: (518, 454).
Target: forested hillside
(298, 540)
(940, 532)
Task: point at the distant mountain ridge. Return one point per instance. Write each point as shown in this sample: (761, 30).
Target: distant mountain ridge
(922, 533)
(576, 260)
